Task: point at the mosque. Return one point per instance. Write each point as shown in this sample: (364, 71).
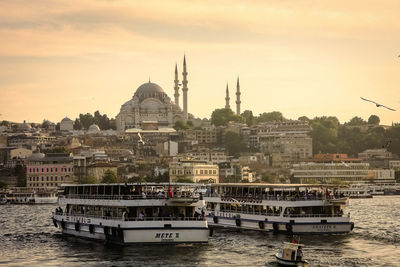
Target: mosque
(150, 104)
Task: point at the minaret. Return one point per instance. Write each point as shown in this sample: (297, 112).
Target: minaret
(176, 87)
(227, 98)
(185, 89)
(238, 97)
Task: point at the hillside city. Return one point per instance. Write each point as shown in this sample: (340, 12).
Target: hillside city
(226, 148)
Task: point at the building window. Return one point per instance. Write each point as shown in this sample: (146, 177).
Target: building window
(47, 178)
(55, 178)
(47, 169)
(42, 179)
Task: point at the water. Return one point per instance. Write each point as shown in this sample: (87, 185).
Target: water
(28, 237)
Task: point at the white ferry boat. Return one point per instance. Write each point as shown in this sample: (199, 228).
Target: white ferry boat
(289, 208)
(356, 191)
(25, 195)
(133, 213)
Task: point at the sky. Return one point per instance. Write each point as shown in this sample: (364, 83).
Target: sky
(299, 57)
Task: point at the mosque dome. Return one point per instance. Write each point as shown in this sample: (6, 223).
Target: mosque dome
(36, 156)
(25, 126)
(94, 129)
(66, 119)
(148, 88)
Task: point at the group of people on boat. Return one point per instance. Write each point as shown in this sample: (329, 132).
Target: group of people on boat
(308, 194)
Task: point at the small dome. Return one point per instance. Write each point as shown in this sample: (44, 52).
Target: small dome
(66, 119)
(25, 126)
(149, 88)
(94, 129)
(36, 156)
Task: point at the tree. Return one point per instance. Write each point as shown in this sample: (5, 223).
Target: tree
(57, 126)
(109, 177)
(221, 117)
(180, 125)
(248, 117)
(268, 178)
(45, 124)
(304, 118)
(5, 123)
(3, 185)
(89, 180)
(324, 132)
(356, 121)
(20, 172)
(77, 124)
(270, 116)
(233, 143)
(373, 119)
(86, 120)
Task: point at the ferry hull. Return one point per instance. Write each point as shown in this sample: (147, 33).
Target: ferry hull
(282, 227)
(136, 235)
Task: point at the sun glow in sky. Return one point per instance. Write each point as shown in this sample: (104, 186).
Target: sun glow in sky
(311, 58)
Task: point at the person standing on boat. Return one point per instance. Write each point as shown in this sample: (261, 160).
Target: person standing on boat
(299, 254)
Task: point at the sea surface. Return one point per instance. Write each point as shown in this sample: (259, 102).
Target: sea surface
(28, 238)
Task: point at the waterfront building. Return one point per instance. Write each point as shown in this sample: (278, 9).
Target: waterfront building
(377, 158)
(328, 173)
(286, 148)
(66, 125)
(394, 164)
(212, 156)
(196, 171)
(50, 170)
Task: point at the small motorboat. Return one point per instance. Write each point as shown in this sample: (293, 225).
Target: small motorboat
(291, 254)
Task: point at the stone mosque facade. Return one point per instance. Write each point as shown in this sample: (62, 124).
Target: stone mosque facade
(151, 104)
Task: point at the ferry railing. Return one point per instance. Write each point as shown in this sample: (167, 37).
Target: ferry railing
(315, 215)
(126, 197)
(173, 218)
(247, 212)
(251, 198)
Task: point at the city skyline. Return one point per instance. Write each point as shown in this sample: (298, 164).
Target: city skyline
(313, 59)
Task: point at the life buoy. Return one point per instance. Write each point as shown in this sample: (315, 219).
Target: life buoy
(55, 223)
(261, 224)
(289, 227)
(77, 226)
(275, 226)
(91, 228)
(238, 222)
(215, 219)
(63, 224)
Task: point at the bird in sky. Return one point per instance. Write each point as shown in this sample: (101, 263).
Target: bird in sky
(377, 104)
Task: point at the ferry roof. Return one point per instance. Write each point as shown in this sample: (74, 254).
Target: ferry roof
(143, 184)
(276, 185)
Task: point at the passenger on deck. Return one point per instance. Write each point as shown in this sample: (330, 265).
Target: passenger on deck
(141, 216)
(299, 254)
(143, 195)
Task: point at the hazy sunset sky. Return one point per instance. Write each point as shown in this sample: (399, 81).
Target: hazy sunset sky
(312, 58)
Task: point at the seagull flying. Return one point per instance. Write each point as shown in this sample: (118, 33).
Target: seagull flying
(377, 104)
